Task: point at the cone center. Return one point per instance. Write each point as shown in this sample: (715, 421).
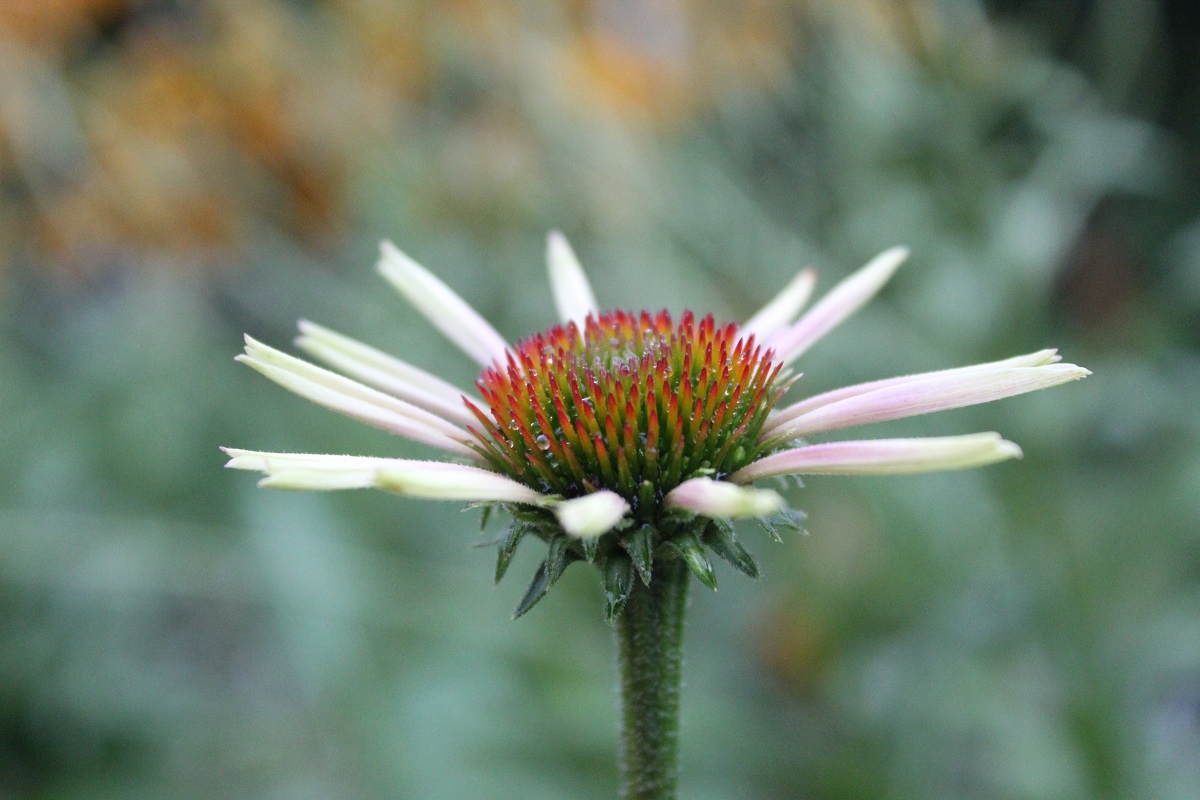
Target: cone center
(635, 403)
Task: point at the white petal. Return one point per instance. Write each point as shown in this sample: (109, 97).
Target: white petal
(592, 514)
(782, 310)
(376, 368)
(448, 312)
(434, 480)
(842, 301)
(923, 394)
(573, 295)
(355, 400)
(711, 498)
(455, 482)
(313, 471)
(319, 480)
(883, 457)
(267, 462)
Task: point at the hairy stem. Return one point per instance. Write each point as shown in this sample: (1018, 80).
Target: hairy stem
(650, 645)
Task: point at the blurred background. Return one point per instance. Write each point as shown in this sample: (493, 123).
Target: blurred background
(176, 172)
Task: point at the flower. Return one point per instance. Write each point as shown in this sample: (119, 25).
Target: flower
(620, 437)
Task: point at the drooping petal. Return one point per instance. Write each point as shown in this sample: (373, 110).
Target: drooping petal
(711, 498)
(842, 301)
(924, 394)
(311, 471)
(573, 295)
(782, 310)
(448, 312)
(308, 471)
(883, 457)
(592, 514)
(455, 482)
(260, 461)
(353, 399)
(382, 371)
(433, 480)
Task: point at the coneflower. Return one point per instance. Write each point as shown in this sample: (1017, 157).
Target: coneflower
(629, 440)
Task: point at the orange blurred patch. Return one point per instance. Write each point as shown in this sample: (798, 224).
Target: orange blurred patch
(624, 79)
(184, 134)
(48, 25)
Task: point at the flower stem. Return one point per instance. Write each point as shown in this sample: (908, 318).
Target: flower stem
(650, 646)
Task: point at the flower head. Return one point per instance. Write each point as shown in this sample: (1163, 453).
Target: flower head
(634, 404)
(624, 437)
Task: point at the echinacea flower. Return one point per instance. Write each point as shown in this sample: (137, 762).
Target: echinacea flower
(624, 437)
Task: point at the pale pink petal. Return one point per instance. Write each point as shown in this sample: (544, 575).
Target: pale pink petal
(382, 371)
(448, 312)
(842, 301)
(592, 514)
(355, 400)
(711, 498)
(925, 394)
(782, 416)
(782, 309)
(883, 457)
(573, 295)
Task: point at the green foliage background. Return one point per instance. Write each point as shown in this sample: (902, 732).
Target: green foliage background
(1030, 630)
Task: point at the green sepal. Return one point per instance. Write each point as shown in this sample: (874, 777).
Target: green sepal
(618, 584)
(559, 557)
(640, 546)
(647, 495)
(536, 591)
(485, 515)
(692, 552)
(792, 518)
(786, 518)
(721, 540)
(771, 528)
(508, 547)
(591, 547)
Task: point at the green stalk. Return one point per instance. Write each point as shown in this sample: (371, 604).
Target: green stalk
(650, 646)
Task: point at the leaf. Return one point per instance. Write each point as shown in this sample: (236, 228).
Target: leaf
(640, 546)
(721, 540)
(618, 584)
(536, 591)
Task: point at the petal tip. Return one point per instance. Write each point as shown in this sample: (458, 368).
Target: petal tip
(711, 498)
(591, 515)
(388, 249)
(1006, 450)
(393, 262)
(573, 295)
